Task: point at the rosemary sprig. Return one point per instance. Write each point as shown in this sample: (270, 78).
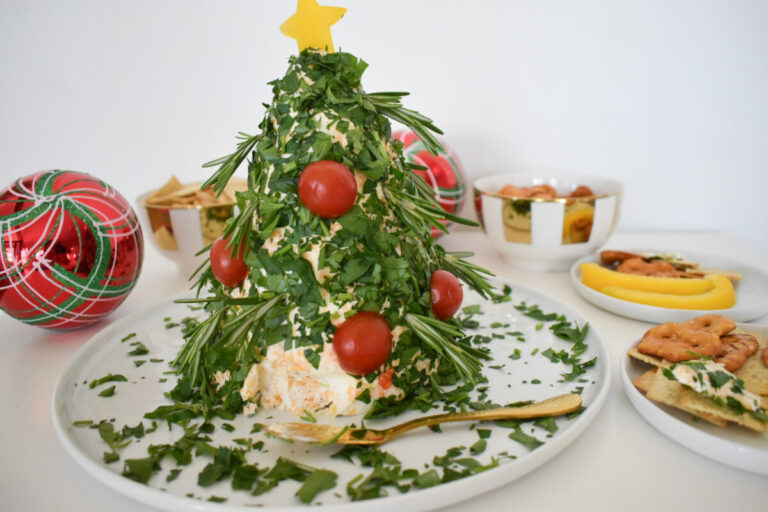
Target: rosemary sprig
(226, 299)
(220, 329)
(418, 186)
(229, 164)
(238, 231)
(419, 212)
(189, 360)
(388, 104)
(448, 342)
(236, 330)
(468, 272)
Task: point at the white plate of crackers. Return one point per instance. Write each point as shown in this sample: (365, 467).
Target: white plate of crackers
(696, 422)
(750, 283)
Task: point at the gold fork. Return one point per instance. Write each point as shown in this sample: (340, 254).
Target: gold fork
(328, 434)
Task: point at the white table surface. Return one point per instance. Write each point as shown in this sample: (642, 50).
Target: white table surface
(619, 463)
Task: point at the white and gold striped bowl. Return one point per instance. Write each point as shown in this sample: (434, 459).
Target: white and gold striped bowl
(547, 234)
(180, 232)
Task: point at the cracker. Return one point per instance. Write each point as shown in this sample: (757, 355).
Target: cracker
(754, 373)
(653, 360)
(671, 393)
(700, 405)
(733, 275)
(658, 388)
(643, 382)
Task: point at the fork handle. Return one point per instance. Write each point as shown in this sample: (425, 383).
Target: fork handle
(555, 406)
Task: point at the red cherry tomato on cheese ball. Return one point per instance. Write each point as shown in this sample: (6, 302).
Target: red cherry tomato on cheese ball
(229, 269)
(362, 343)
(327, 188)
(446, 294)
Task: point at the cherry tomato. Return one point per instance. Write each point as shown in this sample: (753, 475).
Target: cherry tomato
(446, 294)
(229, 269)
(362, 343)
(327, 188)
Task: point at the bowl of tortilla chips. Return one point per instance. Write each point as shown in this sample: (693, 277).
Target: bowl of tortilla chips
(182, 219)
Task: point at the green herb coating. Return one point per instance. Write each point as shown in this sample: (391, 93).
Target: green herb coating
(306, 273)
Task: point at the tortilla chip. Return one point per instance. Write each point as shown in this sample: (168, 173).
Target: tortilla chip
(754, 373)
(174, 194)
(236, 185)
(226, 195)
(159, 195)
(669, 392)
(165, 239)
(208, 198)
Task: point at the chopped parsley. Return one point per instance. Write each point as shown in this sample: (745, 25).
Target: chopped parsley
(108, 378)
(139, 350)
(316, 482)
(478, 447)
(526, 440)
(108, 392)
(484, 433)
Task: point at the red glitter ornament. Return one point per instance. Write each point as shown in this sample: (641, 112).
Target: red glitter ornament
(71, 249)
(444, 172)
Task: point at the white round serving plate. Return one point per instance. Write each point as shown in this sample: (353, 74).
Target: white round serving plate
(105, 353)
(734, 446)
(751, 292)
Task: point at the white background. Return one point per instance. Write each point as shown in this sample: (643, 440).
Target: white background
(670, 97)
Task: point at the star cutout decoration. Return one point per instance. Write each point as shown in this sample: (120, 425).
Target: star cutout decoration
(310, 26)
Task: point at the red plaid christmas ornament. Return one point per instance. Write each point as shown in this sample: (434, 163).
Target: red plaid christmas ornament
(71, 249)
(444, 172)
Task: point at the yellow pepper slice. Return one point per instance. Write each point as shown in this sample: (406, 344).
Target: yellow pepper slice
(598, 277)
(721, 296)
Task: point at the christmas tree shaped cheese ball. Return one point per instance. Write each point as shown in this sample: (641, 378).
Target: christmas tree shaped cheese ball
(328, 294)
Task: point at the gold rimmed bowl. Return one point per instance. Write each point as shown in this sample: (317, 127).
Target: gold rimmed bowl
(179, 232)
(547, 234)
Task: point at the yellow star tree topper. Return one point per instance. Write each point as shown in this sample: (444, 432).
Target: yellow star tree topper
(310, 26)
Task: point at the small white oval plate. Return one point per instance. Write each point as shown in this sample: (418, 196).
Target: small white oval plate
(733, 445)
(104, 353)
(751, 292)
